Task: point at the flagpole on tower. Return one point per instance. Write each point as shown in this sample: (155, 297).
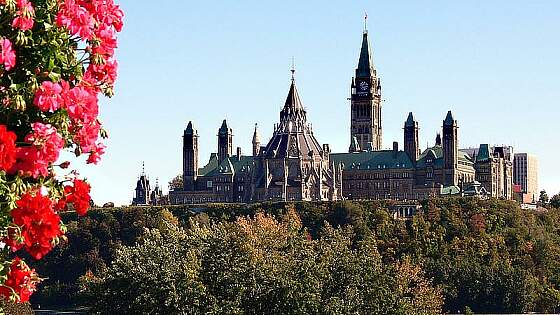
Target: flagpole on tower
(293, 70)
(365, 22)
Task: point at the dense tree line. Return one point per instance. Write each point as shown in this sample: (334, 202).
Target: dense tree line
(456, 255)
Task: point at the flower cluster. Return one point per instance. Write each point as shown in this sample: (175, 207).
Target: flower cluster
(7, 55)
(22, 281)
(38, 224)
(76, 194)
(24, 16)
(44, 147)
(7, 148)
(56, 58)
(97, 22)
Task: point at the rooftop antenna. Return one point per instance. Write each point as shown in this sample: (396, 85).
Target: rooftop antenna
(142, 167)
(293, 70)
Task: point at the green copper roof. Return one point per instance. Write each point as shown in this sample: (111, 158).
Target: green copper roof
(435, 153)
(190, 130)
(465, 156)
(483, 153)
(230, 165)
(224, 129)
(364, 64)
(450, 190)
(387, 159)
(449, 120)
(410, 122)
(437, 156)
(212, 164)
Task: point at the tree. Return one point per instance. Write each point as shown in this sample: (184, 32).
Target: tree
(56, 58)
(260, 265)
(176, 183)
(543, 197)
(555, 201)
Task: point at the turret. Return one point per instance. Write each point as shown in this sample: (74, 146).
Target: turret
(190, 157)
(450, 149)
(256, 142)
(411, 144)
(225, 142)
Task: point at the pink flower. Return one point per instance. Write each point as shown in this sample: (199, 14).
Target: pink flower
(49, 97)
(106, 36)
(87, 136)
(76, 19)
(7, 55)
(24, 15)
(82, 104)
(105, 73)
(95, 155)
(35, 159)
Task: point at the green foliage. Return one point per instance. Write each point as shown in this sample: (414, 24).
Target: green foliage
(543, 197)
(555, 201)
(176, 182)
(259, 266)
(482, 256)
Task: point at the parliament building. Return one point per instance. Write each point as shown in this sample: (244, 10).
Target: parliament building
(293, 165)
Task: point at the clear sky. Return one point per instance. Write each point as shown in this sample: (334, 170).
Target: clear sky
(496, 64)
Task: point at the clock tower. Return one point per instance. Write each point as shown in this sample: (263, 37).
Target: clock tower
(365, 123)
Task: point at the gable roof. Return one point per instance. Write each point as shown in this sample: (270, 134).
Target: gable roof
(436, 152)
(229, 166)
(483, 153)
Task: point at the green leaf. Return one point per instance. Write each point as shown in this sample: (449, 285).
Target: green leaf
(55, 77)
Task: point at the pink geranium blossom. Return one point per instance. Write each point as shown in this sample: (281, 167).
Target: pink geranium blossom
(7, 55)
(76, 19)
(49, 97)
(82, 104)
(24, 15)
(95, 154)
(44, 148)
(87, 135)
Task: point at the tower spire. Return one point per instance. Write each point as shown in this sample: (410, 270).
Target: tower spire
(365, 64)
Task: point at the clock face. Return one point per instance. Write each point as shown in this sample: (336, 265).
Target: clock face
(364, 86)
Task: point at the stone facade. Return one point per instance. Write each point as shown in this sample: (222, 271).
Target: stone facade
(143, 193)
(494, 170)
(365, 114)
(294, 166)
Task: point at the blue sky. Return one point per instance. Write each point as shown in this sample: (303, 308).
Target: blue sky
(495, 64)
